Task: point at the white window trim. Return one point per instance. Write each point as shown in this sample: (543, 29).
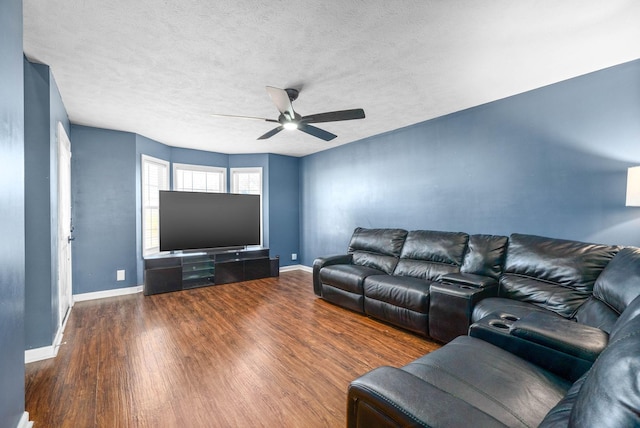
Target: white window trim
(233, 171)
(204, 168)
(233, 189)
(149, 159)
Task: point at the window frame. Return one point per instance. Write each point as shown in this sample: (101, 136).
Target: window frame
(144, 160)
(233, 171)
(199, 168)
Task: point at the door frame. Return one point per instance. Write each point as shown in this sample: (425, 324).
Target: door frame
(65, 293)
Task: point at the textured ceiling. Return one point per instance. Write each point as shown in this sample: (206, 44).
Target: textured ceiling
(160, 68)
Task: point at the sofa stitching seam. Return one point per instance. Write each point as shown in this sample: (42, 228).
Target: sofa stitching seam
(626, 336)
(495, 400)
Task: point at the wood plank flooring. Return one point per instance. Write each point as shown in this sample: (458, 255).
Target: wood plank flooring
(260, 353)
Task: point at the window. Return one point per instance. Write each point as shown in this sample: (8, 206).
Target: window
(155, 177)
(198, 178)
(249, 181)
(246, 181)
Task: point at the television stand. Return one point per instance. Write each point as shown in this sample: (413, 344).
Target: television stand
(174, 272)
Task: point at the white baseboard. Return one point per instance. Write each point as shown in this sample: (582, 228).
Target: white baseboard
(24, 421)
(296, 267)
(107, 293)
(39, 354)
(46, 352)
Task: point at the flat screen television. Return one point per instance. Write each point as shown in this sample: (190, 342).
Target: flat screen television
(195, 220)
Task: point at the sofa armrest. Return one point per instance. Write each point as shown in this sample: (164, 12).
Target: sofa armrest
(472, 280)
(321, 262)
(451, 306)
(553, 350)
(575, 339)
(391, 397)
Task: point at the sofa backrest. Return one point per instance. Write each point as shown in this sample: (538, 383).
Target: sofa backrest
(485, 255)
(429, 254)
(616, 287)
(555, 274)
(377, 248)
(609, 396)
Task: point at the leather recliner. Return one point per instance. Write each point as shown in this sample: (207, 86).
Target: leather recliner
(525, 363)
(388, 274)
(470, 382)
(340, 279)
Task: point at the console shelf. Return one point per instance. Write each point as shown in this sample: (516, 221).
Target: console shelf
(174, 272)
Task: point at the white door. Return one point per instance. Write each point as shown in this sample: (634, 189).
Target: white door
(64, 223)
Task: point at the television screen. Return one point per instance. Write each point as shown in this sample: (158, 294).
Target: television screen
(194, 220)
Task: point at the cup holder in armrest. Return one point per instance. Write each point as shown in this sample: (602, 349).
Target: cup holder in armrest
(499, 324)
(504, 322)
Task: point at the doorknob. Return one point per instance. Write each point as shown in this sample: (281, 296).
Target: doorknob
(71, 238)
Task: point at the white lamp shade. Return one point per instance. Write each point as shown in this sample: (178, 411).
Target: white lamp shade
(633, 187)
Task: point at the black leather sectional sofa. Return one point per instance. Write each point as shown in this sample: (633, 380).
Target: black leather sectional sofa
(553, 328)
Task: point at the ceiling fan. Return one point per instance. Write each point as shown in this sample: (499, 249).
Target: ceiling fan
(289, 119)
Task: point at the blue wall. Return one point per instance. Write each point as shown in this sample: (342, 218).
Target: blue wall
(551, 161)
(12, 244)
(43, 110)
(38, 280)
(284, 207)
(103, 170)
(199, 157)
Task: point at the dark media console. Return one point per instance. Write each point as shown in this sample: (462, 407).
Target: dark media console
(174, 272)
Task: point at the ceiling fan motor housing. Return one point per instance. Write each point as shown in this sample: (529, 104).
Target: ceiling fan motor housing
(293, 93)
(284, 118)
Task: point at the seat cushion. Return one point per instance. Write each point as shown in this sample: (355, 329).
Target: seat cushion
(404, 292)
(390, 397)
(510, 389)
(347, 277)
(401, 301)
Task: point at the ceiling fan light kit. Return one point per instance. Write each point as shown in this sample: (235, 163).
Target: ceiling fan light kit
(290, 125)
(290, 120)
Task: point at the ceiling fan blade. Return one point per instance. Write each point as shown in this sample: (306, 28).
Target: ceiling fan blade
(316, 132)
(271, 133)
(334, 116)
(281, 100)
(245, 117)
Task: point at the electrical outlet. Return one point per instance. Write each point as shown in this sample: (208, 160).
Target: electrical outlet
(120, 275)
(294, 256)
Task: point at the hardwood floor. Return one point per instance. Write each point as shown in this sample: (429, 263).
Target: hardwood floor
(260, 353)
